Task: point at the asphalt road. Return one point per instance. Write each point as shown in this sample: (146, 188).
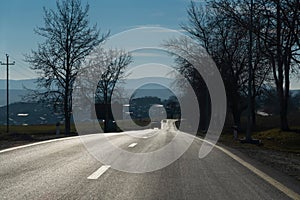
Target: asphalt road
(66, 170)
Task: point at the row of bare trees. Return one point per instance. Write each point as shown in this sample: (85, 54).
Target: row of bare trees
(222, 28)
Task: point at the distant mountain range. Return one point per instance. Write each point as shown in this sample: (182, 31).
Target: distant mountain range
(15, 95)
(18, 91)
(18, 88)
(128, 83)
(18, 84)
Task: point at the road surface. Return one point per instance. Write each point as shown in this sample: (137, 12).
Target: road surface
(66, 170)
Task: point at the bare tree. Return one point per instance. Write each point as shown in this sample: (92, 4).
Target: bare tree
(105, 68)
(68, 40)
(193, 78)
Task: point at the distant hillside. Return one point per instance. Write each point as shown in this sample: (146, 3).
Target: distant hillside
(16, 90)
(18, 84)
(133, 83)
(153, 90)
(17, 87)
(295, 92)
(129, 83)
(15, 95)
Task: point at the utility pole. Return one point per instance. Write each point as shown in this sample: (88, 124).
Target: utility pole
(7, 90)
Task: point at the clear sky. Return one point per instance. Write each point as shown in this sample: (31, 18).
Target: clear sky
(18, 18)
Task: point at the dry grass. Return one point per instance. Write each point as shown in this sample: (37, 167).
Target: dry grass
(267, 130)
(272, 139)
(34, 129)
(20, 135)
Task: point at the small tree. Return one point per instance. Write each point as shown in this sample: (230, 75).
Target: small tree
(104, 69)
(68, 40)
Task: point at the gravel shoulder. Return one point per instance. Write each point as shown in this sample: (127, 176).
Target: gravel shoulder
(277, 152)
(288, 163)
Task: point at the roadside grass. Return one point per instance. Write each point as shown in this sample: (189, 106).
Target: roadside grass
(280, 140)
(273, 139)
(47, 129)
(267, 131)
(20, 135)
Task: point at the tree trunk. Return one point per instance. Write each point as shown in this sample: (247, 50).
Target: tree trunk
(237, 119)
(106, 122)
(67, 113)
(67, 124)
(235, 108)
(236, 116)
(253, 114)
(283, 120)
(105, 112)
(283, 112)
(281, 81)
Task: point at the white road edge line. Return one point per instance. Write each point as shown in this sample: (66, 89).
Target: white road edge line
(99, 172)
(55, 140)
(37, 143)
(132, 145)
(258, 172)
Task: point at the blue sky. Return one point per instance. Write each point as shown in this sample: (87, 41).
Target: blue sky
(18, 19)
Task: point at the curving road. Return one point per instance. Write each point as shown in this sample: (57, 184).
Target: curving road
(64, 169)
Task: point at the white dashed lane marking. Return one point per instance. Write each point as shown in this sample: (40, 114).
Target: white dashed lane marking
(132, 145)
(99, 172)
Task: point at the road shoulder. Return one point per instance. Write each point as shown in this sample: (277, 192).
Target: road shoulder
(283, 178)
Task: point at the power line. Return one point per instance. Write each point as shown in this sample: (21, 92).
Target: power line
(19, 72)
(22, 63)
(7, 90)
(25, 71)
